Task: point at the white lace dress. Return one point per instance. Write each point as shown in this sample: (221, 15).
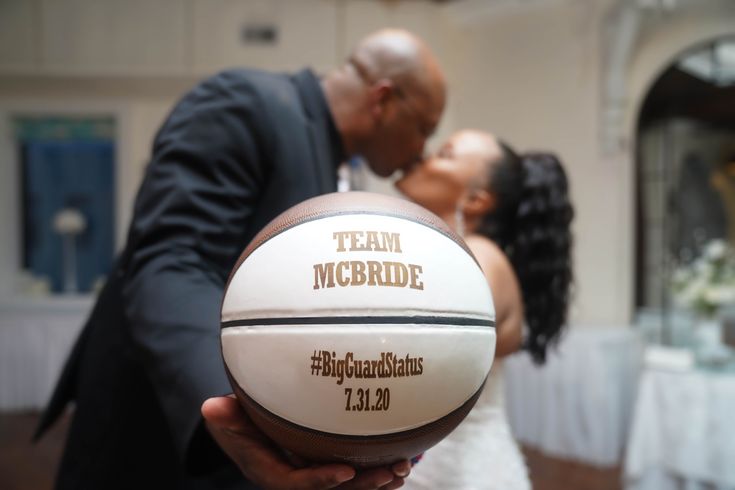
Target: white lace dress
(480, 454)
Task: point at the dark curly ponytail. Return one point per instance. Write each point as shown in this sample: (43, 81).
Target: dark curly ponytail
(531, 224)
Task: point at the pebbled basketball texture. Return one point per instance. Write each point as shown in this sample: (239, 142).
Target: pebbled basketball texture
(357, 328)
(345, 203)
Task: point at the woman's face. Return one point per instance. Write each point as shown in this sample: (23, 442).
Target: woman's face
(442, 181)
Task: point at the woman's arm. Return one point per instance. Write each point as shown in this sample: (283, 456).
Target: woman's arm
(506, 293)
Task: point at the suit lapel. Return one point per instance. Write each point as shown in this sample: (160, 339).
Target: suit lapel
(322, 159)
(323, 167)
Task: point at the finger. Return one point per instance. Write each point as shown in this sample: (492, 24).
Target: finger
(283, 474)
(370, 479)
(223, 412)
(250, 449)
(319, 477)
(254, 452)
(402, 469)
(397, 483)
(295, 460)
(225, 415)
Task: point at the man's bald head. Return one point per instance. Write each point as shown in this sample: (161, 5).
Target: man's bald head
(387, 99)
(402, 57)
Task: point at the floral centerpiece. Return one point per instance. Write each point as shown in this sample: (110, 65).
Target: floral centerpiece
(706, 286)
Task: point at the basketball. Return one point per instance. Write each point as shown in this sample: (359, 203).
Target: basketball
(357, 328)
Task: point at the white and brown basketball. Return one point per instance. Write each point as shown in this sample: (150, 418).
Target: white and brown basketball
(357, 327)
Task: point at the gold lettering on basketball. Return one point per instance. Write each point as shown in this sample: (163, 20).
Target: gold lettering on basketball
(368, 241)
(392, 241)
(324, 275)
(415, 271)
(371, 273)
(329, 364)
(348, 273)
(374, 276)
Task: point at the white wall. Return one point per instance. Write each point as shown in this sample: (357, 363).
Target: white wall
(161, 37)
(531, 74)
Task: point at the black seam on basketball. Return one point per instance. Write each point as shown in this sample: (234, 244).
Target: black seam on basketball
(378, 438)
(330, 214)
(363, 320)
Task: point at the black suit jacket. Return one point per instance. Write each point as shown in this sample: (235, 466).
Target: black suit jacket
(236, 151)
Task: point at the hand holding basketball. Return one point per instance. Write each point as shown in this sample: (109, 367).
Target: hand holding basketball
(357, 328)
(263, 464)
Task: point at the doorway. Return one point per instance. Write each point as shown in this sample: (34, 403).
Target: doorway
(685, 172)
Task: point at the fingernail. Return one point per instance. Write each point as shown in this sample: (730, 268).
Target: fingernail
(401, 469)
(385, 481)
(344, 475)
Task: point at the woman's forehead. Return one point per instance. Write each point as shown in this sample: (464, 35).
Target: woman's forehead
(475, 143)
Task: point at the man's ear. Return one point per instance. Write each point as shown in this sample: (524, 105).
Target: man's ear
(380, 93)
(479, 202)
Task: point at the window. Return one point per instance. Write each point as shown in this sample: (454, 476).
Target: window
(67, 201)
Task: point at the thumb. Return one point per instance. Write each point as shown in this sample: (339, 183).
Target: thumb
(223, 411)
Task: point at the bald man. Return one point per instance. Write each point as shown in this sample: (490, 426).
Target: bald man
(236, 151)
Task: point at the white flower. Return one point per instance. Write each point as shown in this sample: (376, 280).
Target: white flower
(680, 277)
(716, 249)
(719, 295)
(69, 221)
(707, 283)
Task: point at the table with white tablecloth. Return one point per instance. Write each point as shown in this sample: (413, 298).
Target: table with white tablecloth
(683, 431)
(579, 404)
(35, 338)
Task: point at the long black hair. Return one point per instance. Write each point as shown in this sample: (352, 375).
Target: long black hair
(531, 224)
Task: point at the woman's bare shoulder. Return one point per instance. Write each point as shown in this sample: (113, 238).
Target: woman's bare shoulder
(488, 254)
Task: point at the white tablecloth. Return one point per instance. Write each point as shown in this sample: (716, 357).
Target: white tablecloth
(683, 432)
(35, 338)
(579, 405)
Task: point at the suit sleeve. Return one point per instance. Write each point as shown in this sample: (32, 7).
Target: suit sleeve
(196, 201)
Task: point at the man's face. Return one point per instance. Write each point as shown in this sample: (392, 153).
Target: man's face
(401, 119)
(400, 136)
